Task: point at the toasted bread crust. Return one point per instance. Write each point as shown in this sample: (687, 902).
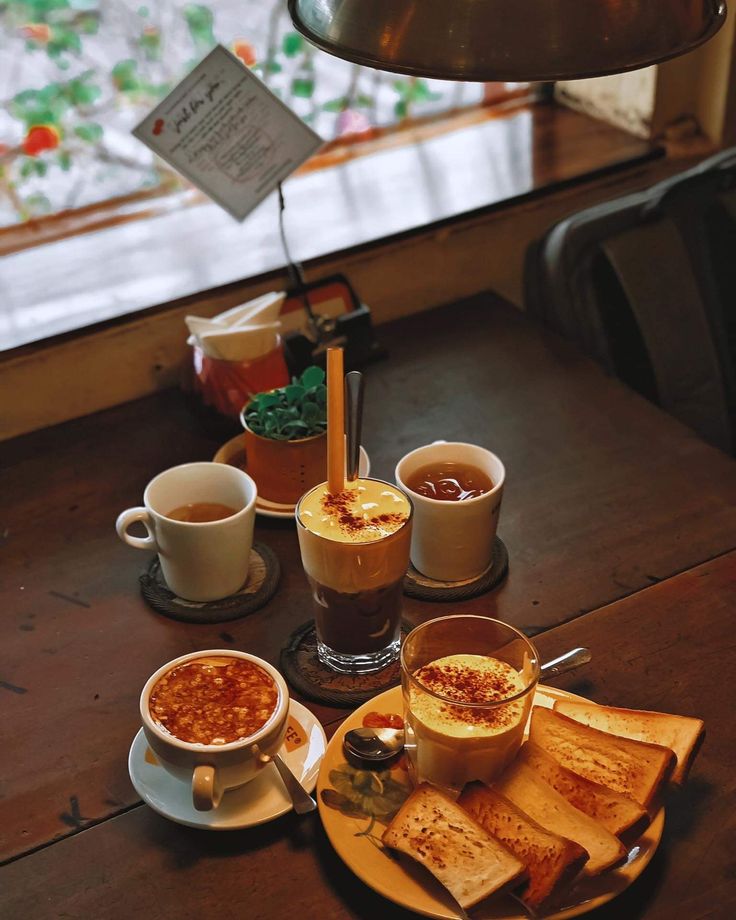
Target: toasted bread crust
(634, 768)
(616, 812)
(437, 833)
(551, 860)
(536, 798)
(683, 734)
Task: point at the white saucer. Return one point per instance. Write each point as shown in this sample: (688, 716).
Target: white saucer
(260, 800)
(232, 452)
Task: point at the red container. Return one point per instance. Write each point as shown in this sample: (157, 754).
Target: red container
(228, 385)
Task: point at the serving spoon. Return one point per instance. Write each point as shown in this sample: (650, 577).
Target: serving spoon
(379, 744)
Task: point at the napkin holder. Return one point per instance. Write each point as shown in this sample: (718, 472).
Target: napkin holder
(323, 313)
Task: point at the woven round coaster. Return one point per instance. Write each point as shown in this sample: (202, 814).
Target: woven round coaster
(427, 589)
(306, 673)
(263, 579)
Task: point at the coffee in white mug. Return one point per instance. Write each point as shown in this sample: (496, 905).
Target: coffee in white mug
(200, 519)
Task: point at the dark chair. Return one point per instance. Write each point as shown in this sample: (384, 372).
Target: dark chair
(646, 285)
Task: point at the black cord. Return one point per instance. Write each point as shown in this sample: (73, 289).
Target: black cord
(296, 274)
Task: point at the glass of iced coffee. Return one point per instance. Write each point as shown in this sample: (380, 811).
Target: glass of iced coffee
(468, 684)
(355, 551)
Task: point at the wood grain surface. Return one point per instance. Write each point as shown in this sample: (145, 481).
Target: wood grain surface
(655, 649)
(605, 496)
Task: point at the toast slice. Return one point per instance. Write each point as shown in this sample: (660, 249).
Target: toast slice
(683, 734)
(634, 768)
(437, 833)
(543, 804)
(616, 812)
(551, 860)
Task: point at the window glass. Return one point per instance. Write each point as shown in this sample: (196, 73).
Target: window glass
(77, 75)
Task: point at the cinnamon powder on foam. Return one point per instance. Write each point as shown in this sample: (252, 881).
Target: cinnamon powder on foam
(491, 682)
(340, 505)
(361, 513)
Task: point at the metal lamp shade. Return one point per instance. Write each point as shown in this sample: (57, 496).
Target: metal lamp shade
(507, 40)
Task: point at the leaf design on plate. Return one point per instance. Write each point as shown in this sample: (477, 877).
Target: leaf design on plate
(341, 803)
(372, 793)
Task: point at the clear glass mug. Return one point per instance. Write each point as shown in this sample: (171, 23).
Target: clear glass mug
(468, 684)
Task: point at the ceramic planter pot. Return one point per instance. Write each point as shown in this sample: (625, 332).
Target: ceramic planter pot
(285, 470)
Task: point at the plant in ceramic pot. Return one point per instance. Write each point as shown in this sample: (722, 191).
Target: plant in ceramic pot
(286, 437)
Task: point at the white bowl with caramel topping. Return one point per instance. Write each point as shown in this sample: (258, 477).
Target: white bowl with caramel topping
(213, 718)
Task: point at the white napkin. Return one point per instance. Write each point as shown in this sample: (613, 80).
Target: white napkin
(242, 333)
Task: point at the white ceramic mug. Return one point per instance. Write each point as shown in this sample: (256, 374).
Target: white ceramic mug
(212, 769)
(453, 540)
(199, 561)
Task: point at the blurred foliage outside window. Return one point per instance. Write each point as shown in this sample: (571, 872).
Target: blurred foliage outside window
(78, 75)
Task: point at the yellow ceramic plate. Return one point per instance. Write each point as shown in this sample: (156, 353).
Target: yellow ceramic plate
(357, 838)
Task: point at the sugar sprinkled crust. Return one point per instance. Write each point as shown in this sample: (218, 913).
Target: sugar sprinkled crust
(437, 833)
(683, 734)
(551, 860)
(529, 792)
(634, 768)
(616, 812)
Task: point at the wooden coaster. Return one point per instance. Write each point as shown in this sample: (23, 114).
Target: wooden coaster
(305, 672)
(263, 579)
(427, 589)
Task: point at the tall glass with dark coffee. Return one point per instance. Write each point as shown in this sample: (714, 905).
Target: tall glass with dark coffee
(355, 551)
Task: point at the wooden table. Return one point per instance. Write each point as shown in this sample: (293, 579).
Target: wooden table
(620, 526)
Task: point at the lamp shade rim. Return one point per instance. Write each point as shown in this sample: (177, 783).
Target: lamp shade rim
(361, 41)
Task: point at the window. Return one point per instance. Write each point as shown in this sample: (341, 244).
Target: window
(79, 74)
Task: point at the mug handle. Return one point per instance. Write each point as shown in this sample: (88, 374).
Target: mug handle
(205, 794)
(126, 518)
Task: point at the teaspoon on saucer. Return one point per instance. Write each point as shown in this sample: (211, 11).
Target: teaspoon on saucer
(377, 745)
(300, 798)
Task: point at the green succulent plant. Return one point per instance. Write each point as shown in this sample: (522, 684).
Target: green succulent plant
(297, 410)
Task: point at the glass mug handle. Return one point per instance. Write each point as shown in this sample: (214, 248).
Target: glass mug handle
(126, 518)
(205, 794)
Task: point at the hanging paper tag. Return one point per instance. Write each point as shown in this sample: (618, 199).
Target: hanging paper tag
(226, 132)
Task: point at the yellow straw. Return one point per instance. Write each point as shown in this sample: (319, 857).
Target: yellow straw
(335, 421)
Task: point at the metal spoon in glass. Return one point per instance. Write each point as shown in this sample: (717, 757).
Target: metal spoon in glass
(379, 744)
